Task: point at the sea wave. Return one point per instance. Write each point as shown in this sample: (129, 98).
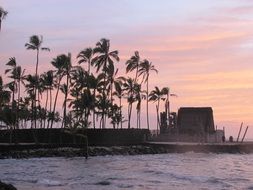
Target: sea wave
(164, 171)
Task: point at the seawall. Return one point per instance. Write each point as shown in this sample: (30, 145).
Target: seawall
(96, 137)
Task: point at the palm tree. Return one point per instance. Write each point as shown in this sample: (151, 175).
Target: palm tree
(112, 73)
(133, 64)
(166, 92)
(139, 97)
(63, 64)
(35, 43)
(3, 15)
(78, 82)
(145, 69)
(81, 108)
(86, 56)
(103, 59)
(13, 84)
(66, 91)
(157, 95)
(130, 87)
(48, 82)
(17, 75)
(31, 84)
(103, 104)
(5, 95)
(103, 56)
(96, 84)
(119, 93)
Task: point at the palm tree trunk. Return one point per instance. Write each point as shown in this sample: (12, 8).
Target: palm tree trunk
(157, 116)
(35, 89)
(39, 106)
(129, 115)
(89, 62)
(55, 101)
(94, 116)
(120, 104)
(140, 118)
(50, 108)
(137, 120)
(12, 106)
(44, 124)
(19, 85)
(136, 73)
(65, 102)
(147, 106)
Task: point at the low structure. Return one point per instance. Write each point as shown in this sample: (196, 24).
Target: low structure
(195, 120)
(191, 124)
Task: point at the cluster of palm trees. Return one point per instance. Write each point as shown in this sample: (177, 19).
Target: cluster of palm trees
(91, 99)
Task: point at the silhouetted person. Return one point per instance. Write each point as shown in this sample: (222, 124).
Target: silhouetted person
(231, 139)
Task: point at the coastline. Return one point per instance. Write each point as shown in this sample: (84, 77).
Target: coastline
(142, 149)
(80, 152)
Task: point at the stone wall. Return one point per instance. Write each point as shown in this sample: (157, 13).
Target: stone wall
(95, 136)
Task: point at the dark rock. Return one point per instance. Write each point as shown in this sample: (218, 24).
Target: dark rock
(4, 186)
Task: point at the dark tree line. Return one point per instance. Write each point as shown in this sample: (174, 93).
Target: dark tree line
(91, 99)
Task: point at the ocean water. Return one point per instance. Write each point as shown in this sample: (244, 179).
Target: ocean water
(161, 171)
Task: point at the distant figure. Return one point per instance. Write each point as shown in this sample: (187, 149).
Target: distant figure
(223, 138)
(231, 139)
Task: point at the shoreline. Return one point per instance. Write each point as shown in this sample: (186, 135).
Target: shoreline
(142, 149)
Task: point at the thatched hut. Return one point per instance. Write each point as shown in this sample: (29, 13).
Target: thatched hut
(195, 120)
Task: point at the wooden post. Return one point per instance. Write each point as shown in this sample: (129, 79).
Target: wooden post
(86, 142)
(245, 133)
(239, 132)
(216, 138)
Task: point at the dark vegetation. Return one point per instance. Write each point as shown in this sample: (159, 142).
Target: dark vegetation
(93, 94)
(90, 98)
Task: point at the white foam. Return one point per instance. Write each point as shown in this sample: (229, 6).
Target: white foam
(49, 182)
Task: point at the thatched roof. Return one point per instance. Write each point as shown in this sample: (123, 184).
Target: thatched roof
(195, 120)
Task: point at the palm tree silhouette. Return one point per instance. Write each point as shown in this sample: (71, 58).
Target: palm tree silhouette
(3, 15)
(5, 95)
(30, 85)
(85, 56)
(130, 87)
(95, 84)
(139, 97)
(119, 92)
(5, 98)
(157, 95)
(48, 82)
(62, 64)
(145, 69)
(17, 76)
(133, 64)
(13, 84)
(35, 43)
(104, 59)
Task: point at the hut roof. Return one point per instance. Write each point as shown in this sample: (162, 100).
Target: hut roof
(195, 120)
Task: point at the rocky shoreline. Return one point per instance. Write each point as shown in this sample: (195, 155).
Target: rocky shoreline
(79, 152)
(154, 148)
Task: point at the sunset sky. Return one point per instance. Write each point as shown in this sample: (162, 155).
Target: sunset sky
(203, 49)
